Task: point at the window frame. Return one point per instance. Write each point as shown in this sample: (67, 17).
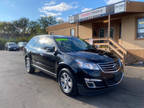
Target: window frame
(136, 29)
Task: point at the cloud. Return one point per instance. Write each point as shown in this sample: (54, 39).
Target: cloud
(59, 18)
(52, 14)
(50, 3)
(55, 9)
(86, 9)
(61, 7)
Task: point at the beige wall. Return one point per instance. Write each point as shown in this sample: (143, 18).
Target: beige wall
(85, 31)
(129, 30)
(64, 31)
(134, 46)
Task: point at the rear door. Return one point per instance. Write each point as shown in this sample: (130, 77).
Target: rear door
(33, 50)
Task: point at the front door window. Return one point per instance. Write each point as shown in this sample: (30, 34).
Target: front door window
(101, 33)
(111, 33)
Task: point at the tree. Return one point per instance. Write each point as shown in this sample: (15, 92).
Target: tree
(21, 26)
(24, 27)
(7, 28)
(32, 27)
(46, 21)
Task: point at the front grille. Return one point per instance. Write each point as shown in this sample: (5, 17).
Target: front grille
(110, 67)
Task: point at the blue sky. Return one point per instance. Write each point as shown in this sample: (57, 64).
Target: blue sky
(14, 9)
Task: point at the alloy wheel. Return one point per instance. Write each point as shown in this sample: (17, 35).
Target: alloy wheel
(66, 82)
(28, 64)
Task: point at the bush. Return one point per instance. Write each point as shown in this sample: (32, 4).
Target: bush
(2, 43)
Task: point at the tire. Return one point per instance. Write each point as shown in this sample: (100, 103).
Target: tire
(28, 66)
(67, 82)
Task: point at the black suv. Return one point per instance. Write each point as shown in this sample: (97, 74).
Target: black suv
(73, 62)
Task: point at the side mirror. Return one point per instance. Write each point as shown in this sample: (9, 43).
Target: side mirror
(50, 49)
(57, 52)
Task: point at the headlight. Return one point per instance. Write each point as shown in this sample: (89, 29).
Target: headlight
(84, 65)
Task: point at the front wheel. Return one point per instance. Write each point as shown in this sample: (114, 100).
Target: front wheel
(28, 65)
(67, 82)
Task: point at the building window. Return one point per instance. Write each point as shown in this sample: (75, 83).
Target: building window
(111, 32)
(101, 33)
(72, 32)
(140, 28)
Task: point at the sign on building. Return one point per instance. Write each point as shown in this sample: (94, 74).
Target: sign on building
(120, 7)
(99, 12)
(71, 19)
(92, 14)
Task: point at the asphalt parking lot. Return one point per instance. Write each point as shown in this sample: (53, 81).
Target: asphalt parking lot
(21, 90)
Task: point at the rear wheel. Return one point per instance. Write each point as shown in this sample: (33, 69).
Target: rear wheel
(28, 65)
(67, 82)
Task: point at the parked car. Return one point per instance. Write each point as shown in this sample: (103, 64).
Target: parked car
(22, 45)
(75, 63)
(11, 46)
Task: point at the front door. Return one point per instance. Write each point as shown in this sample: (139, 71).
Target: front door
(48, 59)
(101, 33)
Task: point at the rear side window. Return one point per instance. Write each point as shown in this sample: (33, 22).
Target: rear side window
(45, 42)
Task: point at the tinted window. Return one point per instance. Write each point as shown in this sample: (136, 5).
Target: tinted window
(101, 33)
(72, 44)
(45, 42)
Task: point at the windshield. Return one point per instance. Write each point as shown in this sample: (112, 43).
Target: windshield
(72, 44)
(12, 44)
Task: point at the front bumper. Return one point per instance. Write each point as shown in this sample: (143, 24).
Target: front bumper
(98, 80)
(103, 82)
(13, 49)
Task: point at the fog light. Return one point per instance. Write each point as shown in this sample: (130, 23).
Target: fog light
(91, 82)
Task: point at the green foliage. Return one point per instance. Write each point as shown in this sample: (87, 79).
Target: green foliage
(21, 25)
(44, 22)
(24, 26)
(23, 29)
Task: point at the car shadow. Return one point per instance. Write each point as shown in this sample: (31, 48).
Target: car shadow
(128, 94)
(44, 75)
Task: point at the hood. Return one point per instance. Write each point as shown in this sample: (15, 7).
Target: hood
(94, 56)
